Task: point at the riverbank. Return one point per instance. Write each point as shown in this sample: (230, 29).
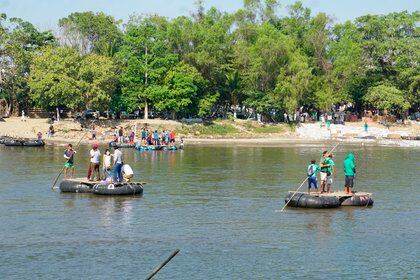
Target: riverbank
(239, 132)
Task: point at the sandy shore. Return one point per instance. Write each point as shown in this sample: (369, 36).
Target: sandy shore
(69, 131)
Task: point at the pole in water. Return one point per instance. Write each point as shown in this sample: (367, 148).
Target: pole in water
(156, 270)
(290, 199)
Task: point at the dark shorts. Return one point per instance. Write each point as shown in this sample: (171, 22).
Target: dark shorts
(349, 181)
(172, 141)
(312, 181)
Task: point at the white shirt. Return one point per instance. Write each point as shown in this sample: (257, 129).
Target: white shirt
(95, 156)
(107, 160)
(127, 169)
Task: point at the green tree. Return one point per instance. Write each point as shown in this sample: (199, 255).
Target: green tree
(387, 98)
(146, 58)
(98, 79)
(54, 78)
(89, 32)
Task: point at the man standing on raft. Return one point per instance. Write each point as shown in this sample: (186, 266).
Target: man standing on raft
(69, 155)
(349, 171)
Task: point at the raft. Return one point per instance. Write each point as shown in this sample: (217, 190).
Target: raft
(12, 142)
(121, 145)
(82, 185)
(150, 147)
(129, 188)
(33, 143)
(304, 200)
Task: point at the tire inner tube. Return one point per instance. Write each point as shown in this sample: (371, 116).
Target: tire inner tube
(357, 200)
(304, 200)
(74, 187)
(118, 189)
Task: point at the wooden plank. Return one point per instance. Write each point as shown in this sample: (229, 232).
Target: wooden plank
(87, 182)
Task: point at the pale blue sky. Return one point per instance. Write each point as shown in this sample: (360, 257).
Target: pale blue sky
(45, 13)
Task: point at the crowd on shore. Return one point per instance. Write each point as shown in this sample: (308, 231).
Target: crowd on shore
(148, 137)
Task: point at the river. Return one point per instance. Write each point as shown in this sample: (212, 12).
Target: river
(218, 206)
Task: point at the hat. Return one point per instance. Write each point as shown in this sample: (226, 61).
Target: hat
(95, 145)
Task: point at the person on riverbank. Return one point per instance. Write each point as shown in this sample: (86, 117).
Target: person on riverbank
(121, 135)
(69, 156)
(156, 138)
(95, 159)
(312, 169)
(106, 164)
(93, 132)
(366, 126)
(127, 172)
(118, 163)
(349, 171)
(51, 131)
(39, 136)
(143, 134)
(172, 137)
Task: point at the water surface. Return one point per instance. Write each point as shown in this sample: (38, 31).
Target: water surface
(218, 206)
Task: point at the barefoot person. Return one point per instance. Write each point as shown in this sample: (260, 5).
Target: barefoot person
(349, 171)
(324, 170)
(118, 163)
(330, 172)
(69, 155)
(106, 165)
(312, 169)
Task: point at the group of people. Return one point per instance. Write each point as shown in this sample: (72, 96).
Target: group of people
(166, 137)
(121, 172)
(326, 168)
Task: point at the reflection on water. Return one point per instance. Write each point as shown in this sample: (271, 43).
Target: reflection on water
(218, 205)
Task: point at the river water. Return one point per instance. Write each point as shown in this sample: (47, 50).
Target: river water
(218, 206)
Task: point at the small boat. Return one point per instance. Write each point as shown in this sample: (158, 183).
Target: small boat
(410, 137)
(129, 188)
(121, 145)
(149, 147)
(304, 200)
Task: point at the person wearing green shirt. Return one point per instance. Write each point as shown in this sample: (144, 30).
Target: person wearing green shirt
(349, 171)
(323, 170)
(312, 169)
(330, 171)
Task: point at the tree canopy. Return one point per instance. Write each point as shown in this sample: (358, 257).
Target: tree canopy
(213, 62)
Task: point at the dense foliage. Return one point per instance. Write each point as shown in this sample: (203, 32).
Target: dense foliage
(213, 62)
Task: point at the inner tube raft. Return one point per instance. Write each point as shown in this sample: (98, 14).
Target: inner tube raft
(118, 189)
(357, 200)
(13, 142)
(33, 143)
(121, 145)
(74, 187)
(304, 200)
(150, 147)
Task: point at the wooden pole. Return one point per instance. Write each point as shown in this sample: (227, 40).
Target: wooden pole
(62, 169)
(156, 270)
(303, 183)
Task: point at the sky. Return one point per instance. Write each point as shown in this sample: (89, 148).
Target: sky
(46, 13)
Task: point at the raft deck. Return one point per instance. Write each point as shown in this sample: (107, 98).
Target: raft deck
(85, 181)
(339, 194)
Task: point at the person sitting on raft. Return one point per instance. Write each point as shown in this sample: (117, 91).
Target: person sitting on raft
(127, 172)
(349, 171)
(312, 169)
(69, 155)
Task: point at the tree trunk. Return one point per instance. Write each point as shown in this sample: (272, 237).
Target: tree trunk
(146, 110)
(173, 115)
(58, 114)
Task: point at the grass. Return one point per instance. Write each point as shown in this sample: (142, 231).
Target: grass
(210, 129)
(270, 129)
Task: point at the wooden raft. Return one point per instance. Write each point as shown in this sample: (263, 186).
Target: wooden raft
(85, 181)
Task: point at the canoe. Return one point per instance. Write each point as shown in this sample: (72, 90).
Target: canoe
(303, 200)
(410, 137)
(118, 188)
(357, 200)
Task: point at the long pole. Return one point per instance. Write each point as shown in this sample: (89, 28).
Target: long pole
(156, 270)
(304, 183)
(62, 169)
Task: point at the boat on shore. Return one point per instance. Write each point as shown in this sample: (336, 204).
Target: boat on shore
(83, 185)
(327, 200)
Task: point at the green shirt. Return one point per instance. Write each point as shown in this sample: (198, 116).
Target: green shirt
(330, 162)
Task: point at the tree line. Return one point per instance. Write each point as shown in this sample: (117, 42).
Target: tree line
(213, 62)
